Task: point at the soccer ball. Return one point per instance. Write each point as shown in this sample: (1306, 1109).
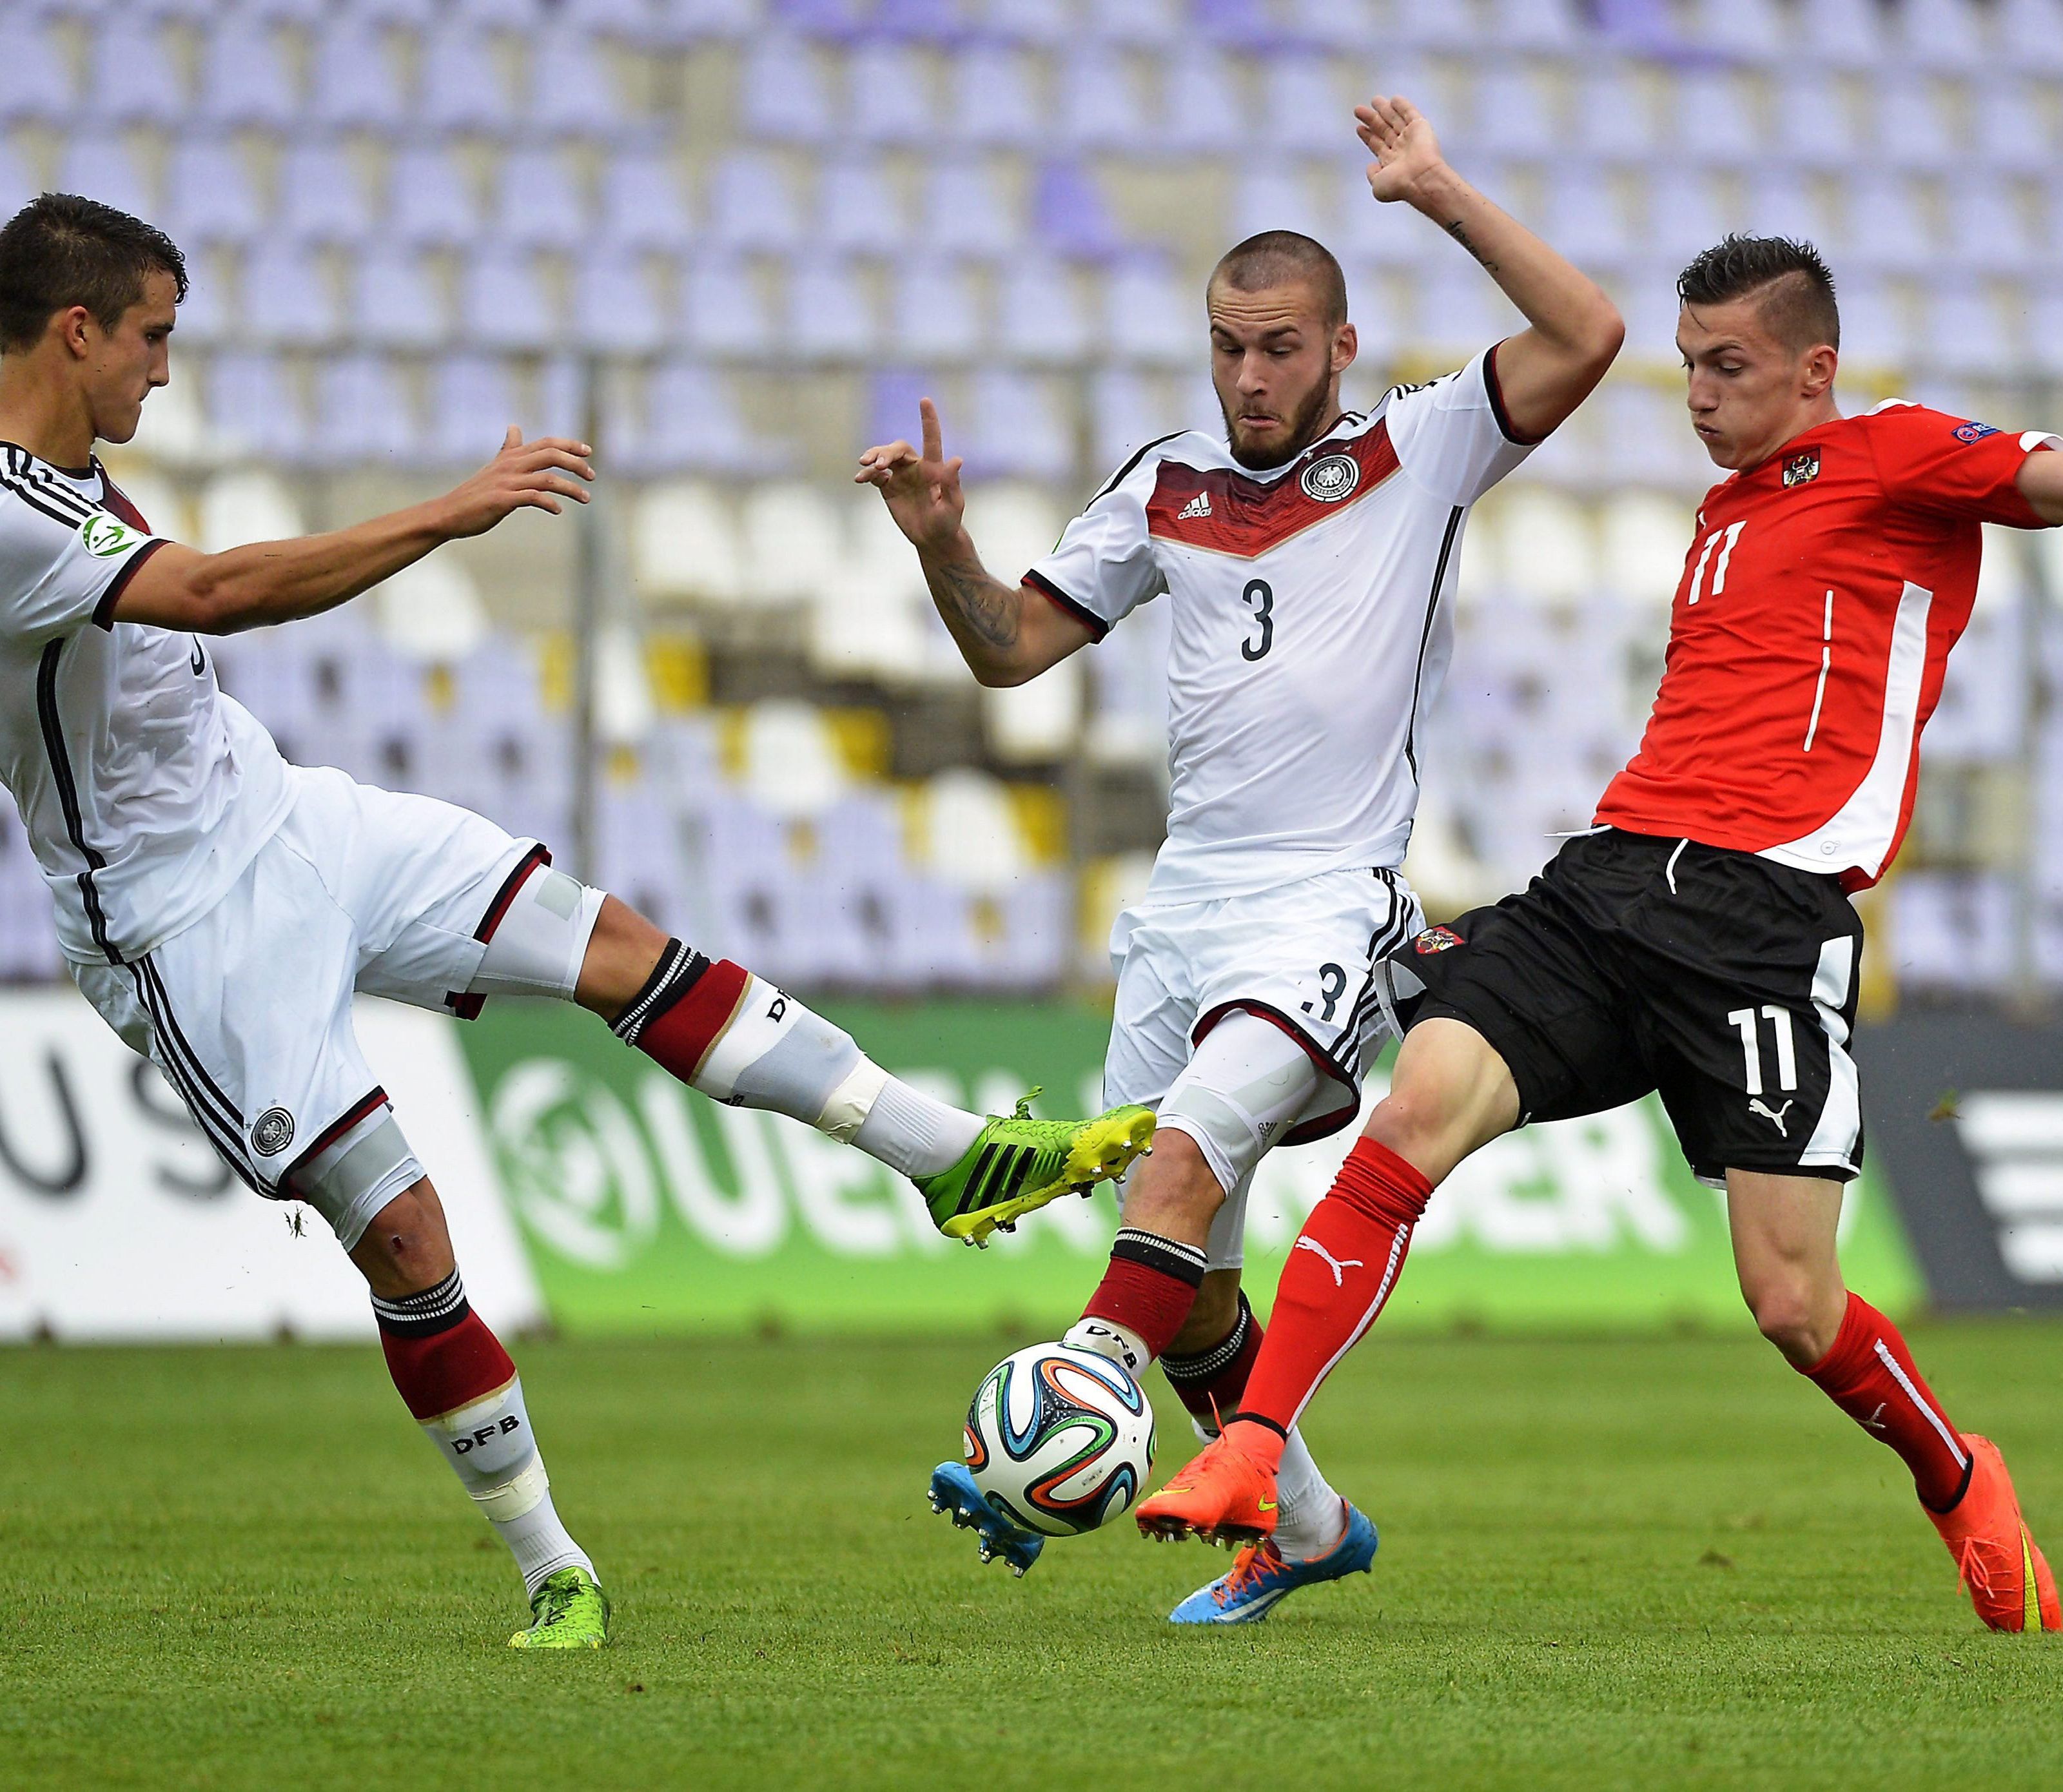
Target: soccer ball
(1060, 1440)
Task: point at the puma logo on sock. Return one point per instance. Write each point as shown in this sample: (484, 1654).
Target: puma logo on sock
(1338, 1268)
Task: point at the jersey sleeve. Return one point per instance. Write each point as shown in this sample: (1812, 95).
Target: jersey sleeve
(1950, 466)
(1104, 567)
(1452, 435)
(62, 565)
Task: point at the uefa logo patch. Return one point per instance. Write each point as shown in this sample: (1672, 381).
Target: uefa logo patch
(1436, 939)
(1974, 431)
(1331, 477)
(1801, 469)
(272, 1132)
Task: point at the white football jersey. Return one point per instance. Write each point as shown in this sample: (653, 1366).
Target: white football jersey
(144, 790)
(1312, 628)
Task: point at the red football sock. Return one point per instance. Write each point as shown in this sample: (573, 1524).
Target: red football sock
(1149, 1287)
(1341, 1271)
(1869, 1375)
(683, 1008)
(439, 1350)
(1211, 1382)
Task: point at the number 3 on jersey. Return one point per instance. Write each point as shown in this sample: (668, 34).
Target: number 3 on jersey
(1261, 595)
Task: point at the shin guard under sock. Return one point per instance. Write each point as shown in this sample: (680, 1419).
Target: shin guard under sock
(1870, 1375)
(462, 1387)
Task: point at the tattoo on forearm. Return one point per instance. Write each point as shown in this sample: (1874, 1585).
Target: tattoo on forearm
(988, 609)
(1461, 235)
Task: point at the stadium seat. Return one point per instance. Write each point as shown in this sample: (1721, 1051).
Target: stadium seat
(1336, 27)
(2030, 35)
(1149, 318)
(2043, 335)
(571, 94)
(994, 100)
(1126, 410)
(1876, 328)
(794, 542)
(934, 313)
(966, 212)
(539, 203)
(100, 166)
(431, 201)
(642, 204)
(36, 83)
(684, 543)
(1551, 546)
(460, 86)
(1714, 126)
(1783, 202)
(1099, 105)
(1612, 117)
(322, 201)
(1539, 28)
(1844, 34)
(1138, 24)
(362, 411)
(782, 96)
(969, 833)
(1987, 228)
(1965, 331)
(1942, 34)
(502, 303)
(1643, 537)
(1910, 128)
(1047, 22)
(790, 759)
(888, 97)
(243, 76)
(1585, 219)
(615, 308)
(829, 316)
(237, 508)
(254, 408)
(1036, 723)
(1273, 195)
(395, 302)
(1749, 31)
(690, 420)
(1509, 114)
(1016, 526)
(1201, 108)
(354, 83)
(472, 401)
(2008, 126)
(210, 198)
(1951, 932)
(751, 206)
(1041, 317)
(1305, 107)
(1812, 126)
(131, 79)
(1069, 214)
(722, 311)
(858, 209)
(1016, 426)
(288, 299)
(1683, 215)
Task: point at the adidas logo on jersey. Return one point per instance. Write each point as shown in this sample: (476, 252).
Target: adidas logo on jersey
(1197, 507)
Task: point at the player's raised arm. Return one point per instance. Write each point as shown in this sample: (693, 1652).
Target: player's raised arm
(1006, 634)
(278, 581)
(1546, 372)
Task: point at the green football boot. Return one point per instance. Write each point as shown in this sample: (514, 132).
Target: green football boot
(569, 1611)
(1017, 1165)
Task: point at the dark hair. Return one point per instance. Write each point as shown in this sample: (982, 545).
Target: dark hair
(61, 250)
(1277, 257)
(1789, 279)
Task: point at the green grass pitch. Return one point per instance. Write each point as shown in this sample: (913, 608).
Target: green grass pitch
(1660, 1563)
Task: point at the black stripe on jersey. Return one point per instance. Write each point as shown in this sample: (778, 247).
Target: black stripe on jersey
(53, 744)
(163, 1011)
(1425, 634)
(1383, 941)
(227, 1141)
(104, 612)
(36, 498)
(1124, 471)
(1495, 388)
(1080, 612)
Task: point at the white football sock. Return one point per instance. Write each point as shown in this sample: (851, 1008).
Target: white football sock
(491, 1449)
(1313, 1518)
(1106, 1338)
(914, 1133)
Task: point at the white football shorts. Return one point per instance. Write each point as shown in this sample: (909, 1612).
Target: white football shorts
(248, 1012)
(1303, 953)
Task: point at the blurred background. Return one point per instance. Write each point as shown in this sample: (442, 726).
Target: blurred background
(733, 240)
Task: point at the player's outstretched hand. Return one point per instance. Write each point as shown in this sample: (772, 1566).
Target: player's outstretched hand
(533, 475)
(923, 490)
(1403, 143)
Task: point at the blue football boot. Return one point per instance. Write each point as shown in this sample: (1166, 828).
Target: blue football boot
(1259, 1575)
(953, 1491)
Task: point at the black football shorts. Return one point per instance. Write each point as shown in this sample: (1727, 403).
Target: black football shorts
(1631, 963)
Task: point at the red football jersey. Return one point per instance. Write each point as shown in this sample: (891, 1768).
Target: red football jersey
(1820, 597)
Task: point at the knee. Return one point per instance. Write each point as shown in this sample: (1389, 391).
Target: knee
(1175, 1184)
(406, 1247)
(1788, 1312)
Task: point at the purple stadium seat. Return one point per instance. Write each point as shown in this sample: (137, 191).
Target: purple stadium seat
(1584, 218)
(208, 193)
(1751, 31)
(933, 312)
(1684, 215)
(829, 315)
(417, 15)
(1270, 195)
(1140, 24)
(690, 421)
(1509, 116)
(502, 303)
(888, 97)
(244, 78)
(1041, 318)
(395, 302)
(1017, 429)
(571, 93)
(1876, 330)
(991, 100)
(2031, 35)
(782, 97)
(1811, 127)
(722, 310)
(520, 17)
(2009, 129)
(1533, 28)
(1047, 22)
(1613, 120)
(99, 165)
(615, 309)
(686, 23)
(131, 76)
(461, 86)
(362, 411)
(1069, 214)
(472, 402)
(539, 203)
(1100, 106)
(1844, 34)
(1964, 332)
(1714, 124)
(1304, 108)
(1883, 225)
(836, 20)
(858, 210)
(2043, 330)
(354, 82)
(430, 200)
(254, 408)
(321, 199)
(932, 22)
(1946, 35)
(635, 23)
(1987, 230)
(35, 81)
(966, 213)
(750, 204)
(1150, 316)
(892, 405)
(1910, 130)
(643, 205)
(1200, 105)
(16, 188)
(287, 299)
(1782, 203)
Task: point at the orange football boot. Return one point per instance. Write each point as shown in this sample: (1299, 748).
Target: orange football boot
(1222, 1495)
(2003, 1572)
